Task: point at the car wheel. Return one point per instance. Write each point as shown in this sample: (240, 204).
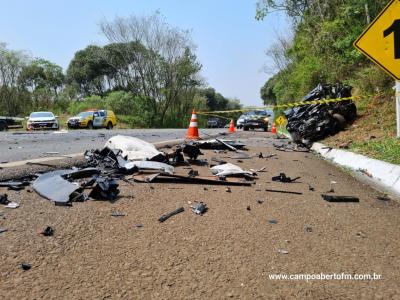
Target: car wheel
(340, 121)
(266, 129)
(245, 128)
(90, 125)
(109, 126)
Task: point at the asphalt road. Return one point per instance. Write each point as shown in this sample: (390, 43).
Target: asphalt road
(247, 235)
(16, 146)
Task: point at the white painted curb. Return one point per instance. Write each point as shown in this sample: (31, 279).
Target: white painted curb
(384, 175)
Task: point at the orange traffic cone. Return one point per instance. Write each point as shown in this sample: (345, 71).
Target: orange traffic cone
(193, 131)
(273, 129)
(232, 126)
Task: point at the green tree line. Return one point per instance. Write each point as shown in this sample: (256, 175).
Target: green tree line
(319, 48)
(148, 73)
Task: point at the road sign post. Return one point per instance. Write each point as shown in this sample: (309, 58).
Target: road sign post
(398, 107)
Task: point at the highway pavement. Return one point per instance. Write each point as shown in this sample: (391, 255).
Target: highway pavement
(21, 145)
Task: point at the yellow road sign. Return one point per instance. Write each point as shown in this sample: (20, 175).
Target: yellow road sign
(381, 40)
(280, 120)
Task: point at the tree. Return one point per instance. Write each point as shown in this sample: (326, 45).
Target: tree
(12, 98)
(43, 79)
(159, 60)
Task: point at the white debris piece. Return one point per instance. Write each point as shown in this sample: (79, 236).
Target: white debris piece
(229, 169)
(151, 165)
(132, 148)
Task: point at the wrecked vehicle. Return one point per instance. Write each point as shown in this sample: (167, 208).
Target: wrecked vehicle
(313, 122)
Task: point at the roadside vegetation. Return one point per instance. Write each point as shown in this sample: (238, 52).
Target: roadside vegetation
(319, 49)
(147, 73)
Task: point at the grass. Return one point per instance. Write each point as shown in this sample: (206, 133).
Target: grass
(386, 149)
(374, 132)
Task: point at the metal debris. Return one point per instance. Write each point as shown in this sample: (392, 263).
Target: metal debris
(117, 214)
(229, 170)
(105, 189)
(187, 179)
(165, 217)
(283, 178)
(284, 192)
(48, 231)
(25, 266)
(192, 150)
(332, 198)
(199, 208)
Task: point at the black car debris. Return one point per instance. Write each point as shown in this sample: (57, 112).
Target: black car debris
(314, 122)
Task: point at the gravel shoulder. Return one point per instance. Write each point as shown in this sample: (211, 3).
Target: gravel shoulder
(227, 253)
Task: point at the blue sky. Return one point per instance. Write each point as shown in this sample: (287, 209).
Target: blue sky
(231, 44)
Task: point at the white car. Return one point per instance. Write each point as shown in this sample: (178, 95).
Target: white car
(42, 120)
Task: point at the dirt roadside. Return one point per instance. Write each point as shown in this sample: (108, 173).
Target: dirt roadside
(227, 253)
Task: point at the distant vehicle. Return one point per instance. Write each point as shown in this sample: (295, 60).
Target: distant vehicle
(215, 123)
(93, 119)
(10, 122)
(42, 120)
(240, 121)
(257, 119)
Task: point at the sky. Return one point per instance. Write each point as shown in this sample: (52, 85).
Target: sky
(231, 44)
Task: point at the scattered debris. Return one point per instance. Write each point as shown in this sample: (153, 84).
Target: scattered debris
(117, 214)
(54, 185)
(361, 234)
(260, 201)
(308, 228)
(272, 221)
(165, 217)
(105, 189)
(228, 189)
(229, 170)
(365, 172)
(281, 251)
(284, 192)
(220, 144)
(187, 179)
(193, 173)
(283, 178)
(192, 150)
(14, 185)
(310, 188)
(26, 266)
(52, 153)
(3, 229)
(248, 208)
(48, 231)
(150, 165)
(383, 198)
(332, 198)
(199, 208)
(133, 148)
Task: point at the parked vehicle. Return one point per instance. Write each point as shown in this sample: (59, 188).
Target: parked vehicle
(215, 123)
(257, 119)
(10, 122)
(93, 119)
(42, 120)
(240, 121)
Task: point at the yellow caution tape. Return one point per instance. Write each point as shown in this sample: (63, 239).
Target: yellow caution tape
(287, 105)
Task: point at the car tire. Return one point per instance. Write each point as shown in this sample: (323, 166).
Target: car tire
(265, 129)
(90, 125)
(110, 126)
(245, 128)
(340, 121)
